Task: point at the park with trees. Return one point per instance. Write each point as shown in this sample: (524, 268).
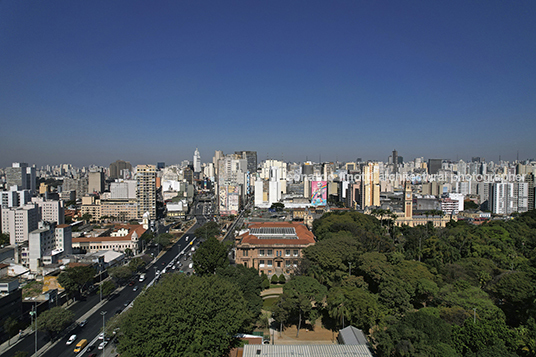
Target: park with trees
(462, 290)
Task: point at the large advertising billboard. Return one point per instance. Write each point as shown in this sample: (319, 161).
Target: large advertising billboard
(319, 193)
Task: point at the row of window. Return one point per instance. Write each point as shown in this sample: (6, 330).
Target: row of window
(269, 263)
(109, 247)
(278, 253)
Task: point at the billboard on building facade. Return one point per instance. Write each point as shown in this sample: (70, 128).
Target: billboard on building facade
(319, 193)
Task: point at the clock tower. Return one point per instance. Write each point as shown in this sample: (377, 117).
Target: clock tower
(408, 201)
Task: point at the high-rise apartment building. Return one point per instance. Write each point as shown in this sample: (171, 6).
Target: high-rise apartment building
(395, 161)
(529, 179)
(123, 189)
(117, 168)
(19, 222)
(79, 185)
(50, 210)
(251, 158)
(370, 185)
(197, 161)
(14, 197)
(146, 190)
(21, 175)
(95, 181)
(434, 165)
(509, 197)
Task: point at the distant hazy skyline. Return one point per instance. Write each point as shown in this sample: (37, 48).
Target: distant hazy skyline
(92, 82)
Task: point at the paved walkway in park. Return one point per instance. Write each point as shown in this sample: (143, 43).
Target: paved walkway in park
(271, 292)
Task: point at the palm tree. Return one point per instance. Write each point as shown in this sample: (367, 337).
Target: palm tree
(338, 310)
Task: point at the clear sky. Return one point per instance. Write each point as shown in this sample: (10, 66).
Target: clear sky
(90, 82)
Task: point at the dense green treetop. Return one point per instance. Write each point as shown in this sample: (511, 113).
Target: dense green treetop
(208, 230)
(249, 282)
(184, 316)
(461, 272)
(120, 273)
(210, 256)
(53, 321)
(75, 279)
(417, 334)
(352, 222)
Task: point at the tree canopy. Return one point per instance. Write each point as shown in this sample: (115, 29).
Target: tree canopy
(75, 279)
(55, 320)
(457, 274)
(250, 284)
(4, 238)
(184, 316)
(301, 294)
(210, 255)
(208, 230)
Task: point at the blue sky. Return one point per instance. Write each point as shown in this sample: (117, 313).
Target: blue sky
(96, 81)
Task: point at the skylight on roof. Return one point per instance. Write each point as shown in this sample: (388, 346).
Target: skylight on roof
(274, 233)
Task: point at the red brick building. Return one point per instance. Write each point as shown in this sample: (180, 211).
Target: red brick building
(273, 247)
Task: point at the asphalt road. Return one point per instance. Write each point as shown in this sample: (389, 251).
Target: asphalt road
(114, 304)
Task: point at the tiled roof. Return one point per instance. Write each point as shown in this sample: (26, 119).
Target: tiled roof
(303, 235)
(138, 228)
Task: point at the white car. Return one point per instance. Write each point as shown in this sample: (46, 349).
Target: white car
(71, 339)
(101, 336)
(102, 345)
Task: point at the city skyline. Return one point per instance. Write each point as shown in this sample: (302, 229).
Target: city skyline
(90, 83)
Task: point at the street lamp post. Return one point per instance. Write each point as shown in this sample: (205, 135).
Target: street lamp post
(100, 286)
(103, 335)
(35, 304)
(33, 314)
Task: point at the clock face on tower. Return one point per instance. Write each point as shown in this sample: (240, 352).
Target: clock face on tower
(408, 196)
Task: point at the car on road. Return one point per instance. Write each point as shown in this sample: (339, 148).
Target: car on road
(127, 303)
(135, 288)
(102, 345)
(71, 339)
(101, 336)
(82, 323)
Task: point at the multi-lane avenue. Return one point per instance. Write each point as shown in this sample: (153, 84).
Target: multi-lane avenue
(118, 301)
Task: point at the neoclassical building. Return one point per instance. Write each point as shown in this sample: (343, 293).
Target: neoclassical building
(406, 217)
(273, 247)
(119, 238)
